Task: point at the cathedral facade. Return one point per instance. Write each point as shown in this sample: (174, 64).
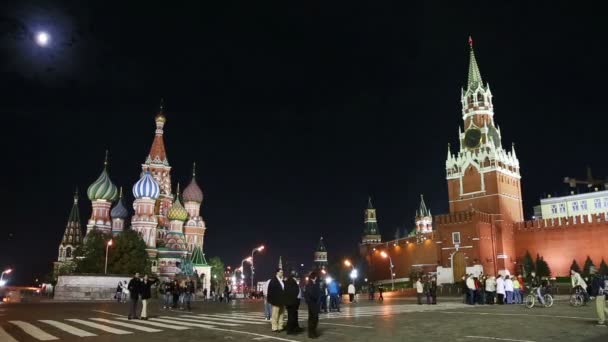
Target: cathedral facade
(484, 230)
(169, 223)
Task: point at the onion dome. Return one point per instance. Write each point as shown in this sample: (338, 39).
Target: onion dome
(177, 210)
(146, 186)
(119, 211)
(103, 188)
(193, 193)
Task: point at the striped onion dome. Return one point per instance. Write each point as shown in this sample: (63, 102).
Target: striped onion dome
(103, 188)
(177, 210)
(119, 211)
(146, 186)
(193, 193)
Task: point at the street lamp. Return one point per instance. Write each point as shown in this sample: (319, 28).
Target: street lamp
(347, 263)
(3, 282)
(259, 249)
(385, 255)
(107, 247)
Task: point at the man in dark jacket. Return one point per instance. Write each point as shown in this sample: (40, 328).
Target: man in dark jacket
(188, 293)
(312, 293)
(276, 298)
(134, 292)
(292, 303)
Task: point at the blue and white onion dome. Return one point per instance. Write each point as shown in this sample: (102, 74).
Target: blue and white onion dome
(102, 188)
(146, 187)
(119, 211)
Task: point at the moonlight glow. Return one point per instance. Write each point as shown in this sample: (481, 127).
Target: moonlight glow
(42, 38)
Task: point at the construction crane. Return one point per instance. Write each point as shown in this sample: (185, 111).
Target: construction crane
(590, 181)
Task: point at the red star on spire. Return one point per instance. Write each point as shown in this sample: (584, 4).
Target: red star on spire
(470, 41)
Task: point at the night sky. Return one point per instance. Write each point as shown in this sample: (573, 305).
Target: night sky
(295, 112)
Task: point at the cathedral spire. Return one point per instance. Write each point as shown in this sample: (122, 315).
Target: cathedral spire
(158, 154)
(474, 74)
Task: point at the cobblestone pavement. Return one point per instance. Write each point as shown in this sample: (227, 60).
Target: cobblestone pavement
(396, 319)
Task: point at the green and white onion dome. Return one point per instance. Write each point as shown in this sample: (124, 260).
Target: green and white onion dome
(177, 210)
(146, 187)
(103, 188)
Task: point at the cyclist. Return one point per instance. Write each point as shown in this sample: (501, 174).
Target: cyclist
(579, 284)
(537, 286)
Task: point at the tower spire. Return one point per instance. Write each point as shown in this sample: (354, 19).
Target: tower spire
(474, 75)
(193, 169)
(105, 161)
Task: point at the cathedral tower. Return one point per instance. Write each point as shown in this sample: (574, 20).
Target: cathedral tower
(195, 226)
(424, 219)
(482, 175)
(102, 193)
(146, 191)
(119, 214)
(321, 255)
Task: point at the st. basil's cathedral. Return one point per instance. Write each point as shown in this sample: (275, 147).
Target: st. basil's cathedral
(173, 232)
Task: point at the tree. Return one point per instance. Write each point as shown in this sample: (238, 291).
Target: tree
(528, 264)
(128, 254)
(542, 268)
(90, 257)
(575, 266)
(587, 266)
(603, 268)
(217, 273)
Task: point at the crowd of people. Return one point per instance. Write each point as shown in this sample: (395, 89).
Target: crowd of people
(504, 289)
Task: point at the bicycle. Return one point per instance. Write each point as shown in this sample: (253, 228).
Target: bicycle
(578, 298)
(532, 297)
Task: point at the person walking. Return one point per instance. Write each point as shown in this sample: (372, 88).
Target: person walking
(146, 294)
(464, 289)
(324, 295)
(419, 290)
(431, 296)
(380, 292)
(312, 294)
(351, 292)
(292, 304)
(205, 294)
(372, 291)
(134, 292)
(227, 293)
(168, 286)
(599, 290)
(276, 298)
(175, 293)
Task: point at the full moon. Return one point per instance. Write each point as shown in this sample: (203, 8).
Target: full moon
(42, 38)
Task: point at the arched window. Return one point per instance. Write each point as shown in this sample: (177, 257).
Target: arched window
(68, 252)
(471, 99)
(479, 97)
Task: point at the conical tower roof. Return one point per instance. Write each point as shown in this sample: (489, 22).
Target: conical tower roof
(73, 231)
(321, 247)
(158, 154)
(423, 211)
(198, 257)
(474, 80)
(280, 262)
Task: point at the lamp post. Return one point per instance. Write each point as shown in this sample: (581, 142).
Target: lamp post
(259, 249)
(107, 247)
(2, 282)
(347, 263)
(385, 255)
(249, 260)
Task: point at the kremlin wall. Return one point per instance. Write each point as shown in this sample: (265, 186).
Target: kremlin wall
(485, 230)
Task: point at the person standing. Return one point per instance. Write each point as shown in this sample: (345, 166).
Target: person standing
(227, 293)
(312, 295)
(134, 292)
(508, 290)
(188, 293)
(516, 291)
(118, 295)
(431, 297)
(351, 292)
(419, 290)
(267, 306)
(500, 289)
(599, 290)
(490, 289)
(146, 293)
(175, 293)
(372, 291)
(292, 303)
(380, 292)
(205, 294)
(470, 282)
(334, 290)
(168, 294)
(276, 298)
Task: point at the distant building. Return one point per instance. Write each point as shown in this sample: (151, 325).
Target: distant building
(594, 202)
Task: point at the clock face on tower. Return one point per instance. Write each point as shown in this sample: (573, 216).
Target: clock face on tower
(472, 138)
